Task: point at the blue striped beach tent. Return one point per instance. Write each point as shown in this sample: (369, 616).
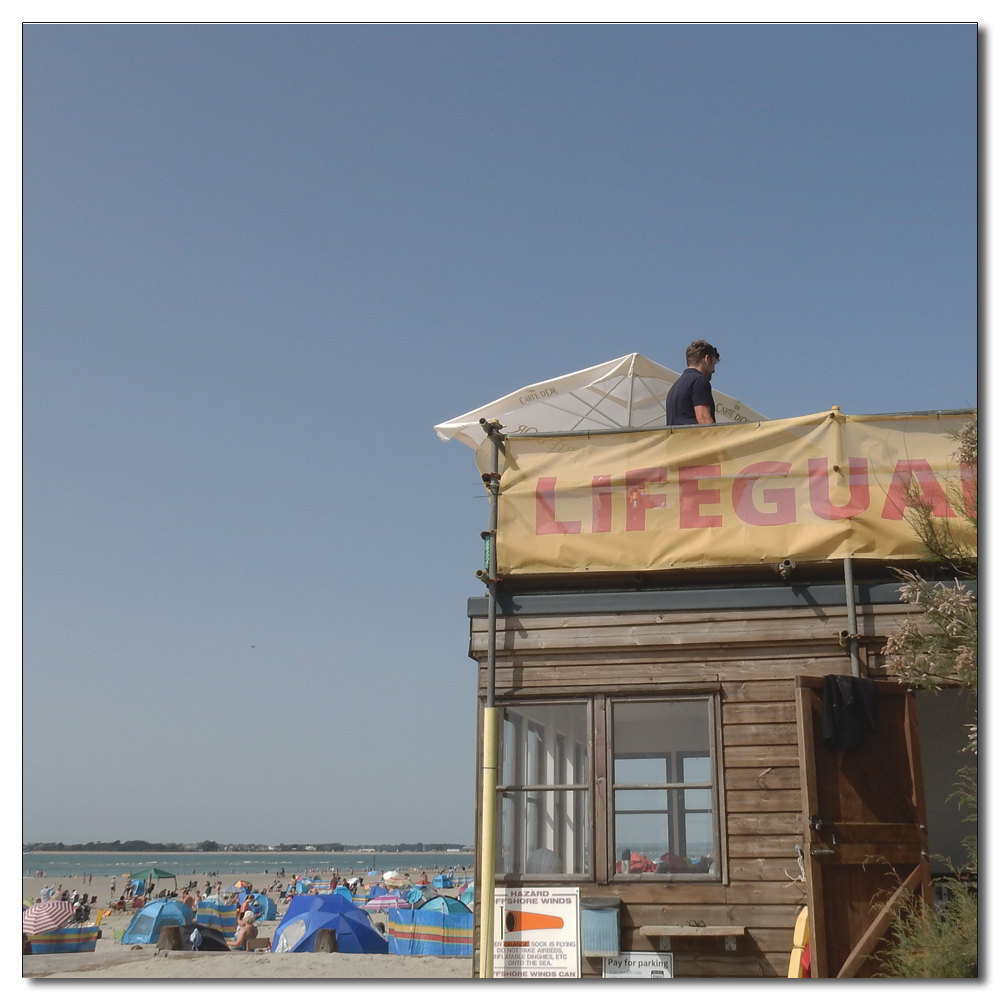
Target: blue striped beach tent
(342, 890)
(468, 894)
(217, 915)
(441, 881)
(153, 917)
(429, 932)
(65, 940)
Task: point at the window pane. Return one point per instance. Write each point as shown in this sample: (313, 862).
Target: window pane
(659, 728)
(544, 833)
(663, 831)
(699, 835)
(696, 769)
(641, 835)
(647, 800)
(544, 745)
(641, 771)
(698, 798)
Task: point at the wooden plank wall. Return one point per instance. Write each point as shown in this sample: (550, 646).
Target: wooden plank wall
(752, 658)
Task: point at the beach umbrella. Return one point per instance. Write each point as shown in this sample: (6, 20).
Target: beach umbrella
(307, 915)
(625, 393)
(48, 916)
(151, 873)
(386, 902)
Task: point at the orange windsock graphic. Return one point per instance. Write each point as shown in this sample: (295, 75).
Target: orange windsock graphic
(525, 920)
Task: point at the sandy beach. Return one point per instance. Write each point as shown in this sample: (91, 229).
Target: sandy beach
(111, 960)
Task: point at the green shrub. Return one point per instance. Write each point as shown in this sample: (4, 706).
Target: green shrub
(926, 943)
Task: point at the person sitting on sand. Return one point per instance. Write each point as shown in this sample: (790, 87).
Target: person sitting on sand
(246, 932)
(188, 900)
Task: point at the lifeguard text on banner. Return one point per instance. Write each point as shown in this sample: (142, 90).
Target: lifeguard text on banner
(818, 487)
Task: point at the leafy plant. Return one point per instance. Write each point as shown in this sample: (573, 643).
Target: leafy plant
(930, 944)
(936, 649)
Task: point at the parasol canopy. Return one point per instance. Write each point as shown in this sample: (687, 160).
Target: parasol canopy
(148, 873)
(49, 915)
(627, 393)
(389, 901)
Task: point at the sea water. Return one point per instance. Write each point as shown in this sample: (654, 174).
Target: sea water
(65, 865)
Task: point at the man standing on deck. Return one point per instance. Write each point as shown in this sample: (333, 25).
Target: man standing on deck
(690, 399)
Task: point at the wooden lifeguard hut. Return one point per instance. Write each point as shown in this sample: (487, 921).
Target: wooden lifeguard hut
(680, 657)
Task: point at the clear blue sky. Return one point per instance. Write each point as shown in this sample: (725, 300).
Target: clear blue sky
(261, 262)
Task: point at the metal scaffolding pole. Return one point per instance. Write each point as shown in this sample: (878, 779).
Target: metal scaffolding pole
(852, 618)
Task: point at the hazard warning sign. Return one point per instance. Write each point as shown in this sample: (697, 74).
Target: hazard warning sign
(536, 933)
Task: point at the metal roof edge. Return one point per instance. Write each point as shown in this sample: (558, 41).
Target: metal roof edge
(615, 602)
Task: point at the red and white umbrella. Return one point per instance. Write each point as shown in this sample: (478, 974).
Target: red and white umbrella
(46, 916)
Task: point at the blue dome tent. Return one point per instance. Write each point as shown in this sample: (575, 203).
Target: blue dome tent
(153, 917)
(444, 904)
(263, 907)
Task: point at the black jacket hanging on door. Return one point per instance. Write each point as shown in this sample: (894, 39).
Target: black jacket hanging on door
(848, 708)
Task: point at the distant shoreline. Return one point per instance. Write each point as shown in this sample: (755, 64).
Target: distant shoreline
(241, 853)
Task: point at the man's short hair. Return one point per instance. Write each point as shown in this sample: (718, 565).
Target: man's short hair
(698, 350)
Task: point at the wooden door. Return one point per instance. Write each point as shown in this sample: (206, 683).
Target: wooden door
(865, 832)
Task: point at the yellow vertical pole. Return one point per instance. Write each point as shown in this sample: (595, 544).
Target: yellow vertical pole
(487, 853)
(487, 844)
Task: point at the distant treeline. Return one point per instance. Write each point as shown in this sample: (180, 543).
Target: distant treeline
(116, 846)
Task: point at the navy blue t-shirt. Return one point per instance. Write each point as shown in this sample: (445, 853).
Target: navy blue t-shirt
(690, 390)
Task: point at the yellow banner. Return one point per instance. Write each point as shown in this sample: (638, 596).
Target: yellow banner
(811, 488)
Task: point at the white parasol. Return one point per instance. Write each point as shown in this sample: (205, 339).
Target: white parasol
(624, 394)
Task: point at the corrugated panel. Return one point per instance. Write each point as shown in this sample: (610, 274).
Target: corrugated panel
(599, 933)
